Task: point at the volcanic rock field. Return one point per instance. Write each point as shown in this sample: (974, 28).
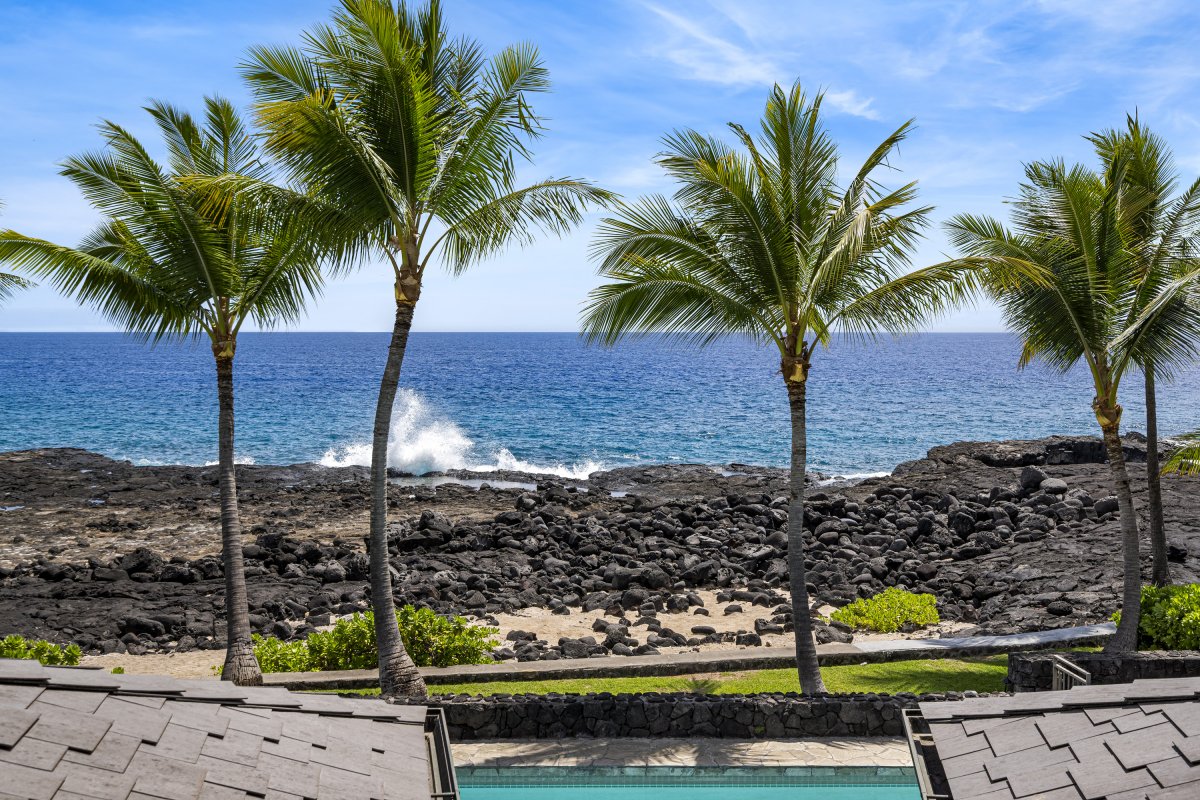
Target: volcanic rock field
(1010, 536)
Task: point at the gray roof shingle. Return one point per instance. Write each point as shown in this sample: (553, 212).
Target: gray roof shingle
(69, 733)
(1138, 741)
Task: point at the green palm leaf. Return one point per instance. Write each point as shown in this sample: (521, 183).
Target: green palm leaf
(402, 130)
(11, 284)
(1186, 458)
(168, 262)
(793, 256)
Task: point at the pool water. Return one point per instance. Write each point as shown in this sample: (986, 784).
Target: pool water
(687, 783)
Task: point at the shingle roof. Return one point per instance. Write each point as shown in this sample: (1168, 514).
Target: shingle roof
(1114, 742)
(76, 733)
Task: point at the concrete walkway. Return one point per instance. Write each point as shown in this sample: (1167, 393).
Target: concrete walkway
(690, 663)
(1007, 643)
(832, 752)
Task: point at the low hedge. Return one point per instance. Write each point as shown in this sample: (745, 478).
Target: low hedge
(889, 611)
(50, 654)
(1170, 618)
(429, 638)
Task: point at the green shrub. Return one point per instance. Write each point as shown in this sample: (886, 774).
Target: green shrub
(431, 640)
(1170, 617)
(275, 655)
(50, 654)
(889, 610)
(437, 641)
(118, 670)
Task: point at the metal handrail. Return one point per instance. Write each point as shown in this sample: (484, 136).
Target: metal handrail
(1066, 674)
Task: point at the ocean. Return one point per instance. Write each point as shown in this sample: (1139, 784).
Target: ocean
(544, 402)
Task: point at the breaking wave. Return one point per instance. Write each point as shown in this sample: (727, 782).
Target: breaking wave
(237, 459)
(851, 477)
(423, 441)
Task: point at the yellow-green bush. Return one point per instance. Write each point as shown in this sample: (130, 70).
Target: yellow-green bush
(431, 640)
(48, 653)
(889, 611)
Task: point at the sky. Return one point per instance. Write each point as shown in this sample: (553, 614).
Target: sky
(990, 84)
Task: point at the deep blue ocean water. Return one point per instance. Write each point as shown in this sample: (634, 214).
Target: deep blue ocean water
(544, 401)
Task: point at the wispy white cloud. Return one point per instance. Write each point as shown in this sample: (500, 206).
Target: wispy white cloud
(992, 84)
(848, 102)
(638, 176)
(707, 56)
(1017, 57)
(1118, 16)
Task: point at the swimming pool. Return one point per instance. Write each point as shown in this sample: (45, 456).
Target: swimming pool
(687, 783)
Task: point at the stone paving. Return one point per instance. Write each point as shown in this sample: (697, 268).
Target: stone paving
(1009, 641)
(684, 753)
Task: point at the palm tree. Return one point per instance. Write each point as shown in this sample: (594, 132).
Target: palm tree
(407, 141)
(1069, 223)
(9, 283)
(1162, 232)
(162, 267)
(761, 241)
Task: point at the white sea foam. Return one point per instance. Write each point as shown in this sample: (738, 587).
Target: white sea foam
(855, 477)
(506, 460)
(423, 441)
(236, 459)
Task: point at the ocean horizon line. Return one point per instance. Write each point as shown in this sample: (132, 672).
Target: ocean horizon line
(543, 401)
(498, 333)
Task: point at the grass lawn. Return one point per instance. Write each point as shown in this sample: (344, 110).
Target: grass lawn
(931, 675)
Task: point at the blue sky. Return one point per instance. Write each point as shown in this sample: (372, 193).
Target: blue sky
(991, 84)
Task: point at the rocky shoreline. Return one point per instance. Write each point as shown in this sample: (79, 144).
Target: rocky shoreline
(1010, 536)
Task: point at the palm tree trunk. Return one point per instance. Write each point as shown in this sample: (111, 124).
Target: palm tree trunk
(240, 665)
(1126, 637)
(398, 675)
(1161, 573)
(806, 649)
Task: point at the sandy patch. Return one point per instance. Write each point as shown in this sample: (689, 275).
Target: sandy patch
(550, 628)
(193, 664)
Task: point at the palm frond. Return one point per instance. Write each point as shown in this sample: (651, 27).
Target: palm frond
(1059, 275)
(10, 284)
(554, 206)
(118, 289)
(760, 240)
(178, 254)
(653, 297)
(385, 122)
(336, 234)
(906, 302)
(1166, 330)
(1185, 460)
(326, 150)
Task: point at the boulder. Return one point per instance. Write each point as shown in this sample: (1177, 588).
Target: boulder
(1032, 477)
(1053, 485)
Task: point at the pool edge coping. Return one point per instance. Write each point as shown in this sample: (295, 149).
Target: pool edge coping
(806, 753)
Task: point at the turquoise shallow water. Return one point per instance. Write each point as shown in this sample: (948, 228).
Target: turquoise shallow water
(669, 783)
(543, 402)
